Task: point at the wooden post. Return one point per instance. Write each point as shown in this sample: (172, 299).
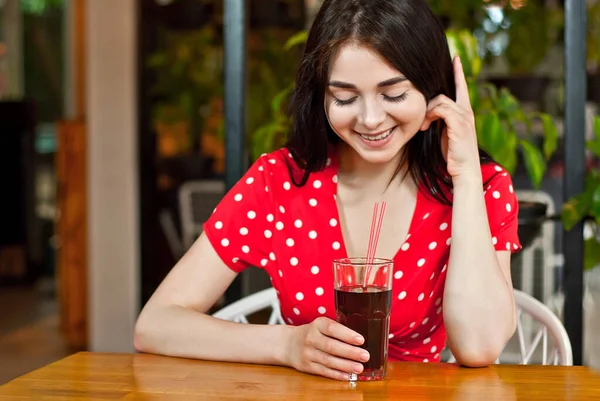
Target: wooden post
(71, 232)
(71, 172)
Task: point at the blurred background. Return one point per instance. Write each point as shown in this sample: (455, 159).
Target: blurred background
(113, 150)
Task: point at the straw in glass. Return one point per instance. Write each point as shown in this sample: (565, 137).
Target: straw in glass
(376, 223)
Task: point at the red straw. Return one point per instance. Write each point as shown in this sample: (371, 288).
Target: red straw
(372, 234)
(376, 223)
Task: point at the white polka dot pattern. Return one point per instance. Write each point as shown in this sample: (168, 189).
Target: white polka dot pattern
(294, 233)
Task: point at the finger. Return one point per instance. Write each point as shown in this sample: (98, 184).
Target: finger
(445, 100)
(336, 363)
(324, 371)
(462, 89)
(436, 102)
(338, 348)
(333, 329)
(442, 111)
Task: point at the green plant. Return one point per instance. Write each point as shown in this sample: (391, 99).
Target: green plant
(188, 69)
(586, 206)
(271, 134)
(521, 32)
(38, 7)
(593, 35)
(504, 129)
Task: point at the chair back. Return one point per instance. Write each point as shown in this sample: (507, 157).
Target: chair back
(549, 344)
(197, 200)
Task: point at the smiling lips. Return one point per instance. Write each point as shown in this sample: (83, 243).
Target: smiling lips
(378, 137)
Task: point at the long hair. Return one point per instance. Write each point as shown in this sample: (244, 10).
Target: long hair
(410, 37)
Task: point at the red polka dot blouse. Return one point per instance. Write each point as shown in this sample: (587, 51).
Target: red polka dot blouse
(294, 234)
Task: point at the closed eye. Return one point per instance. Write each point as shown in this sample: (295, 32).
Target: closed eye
(340, 102)
(396, 99)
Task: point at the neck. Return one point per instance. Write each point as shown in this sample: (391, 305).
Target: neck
(356, 172)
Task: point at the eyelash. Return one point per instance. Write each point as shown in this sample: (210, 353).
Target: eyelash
(395, 99)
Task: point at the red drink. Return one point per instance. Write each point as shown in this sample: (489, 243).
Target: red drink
(366, 310)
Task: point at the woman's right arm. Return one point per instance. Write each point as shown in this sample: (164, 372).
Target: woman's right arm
(174, 322)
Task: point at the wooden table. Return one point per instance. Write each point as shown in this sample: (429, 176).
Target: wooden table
(95, 376)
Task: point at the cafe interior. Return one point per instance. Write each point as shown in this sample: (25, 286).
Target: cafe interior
(123, 123)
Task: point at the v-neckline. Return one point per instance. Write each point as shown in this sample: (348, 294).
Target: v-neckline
(334, 166)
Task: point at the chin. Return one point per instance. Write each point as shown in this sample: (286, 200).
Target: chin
(379, 157)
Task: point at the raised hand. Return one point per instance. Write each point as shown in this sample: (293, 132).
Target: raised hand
(459, 141)
(326, 348)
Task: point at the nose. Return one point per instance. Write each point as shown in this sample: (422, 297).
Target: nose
(372, 115)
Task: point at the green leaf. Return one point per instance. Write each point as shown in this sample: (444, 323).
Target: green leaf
(492, 90)
(507, 155)
(550, 135)
(298, 38)
(596, 202)
(479, 123)
(452, 39)
(279, 98)
(507, 104)
(474, 94)
(457, 48)
(580, 206)
(463, 44)
(594, 144)
(491, 134)
(534, 162)
(470, 50)
(591, 253)
(573, 211)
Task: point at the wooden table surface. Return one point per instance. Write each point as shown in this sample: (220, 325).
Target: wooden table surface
(96, 376)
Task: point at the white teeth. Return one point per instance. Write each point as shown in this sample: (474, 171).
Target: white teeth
(378, 137)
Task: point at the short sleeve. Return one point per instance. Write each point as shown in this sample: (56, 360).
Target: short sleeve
(502, 210)
(238, 228)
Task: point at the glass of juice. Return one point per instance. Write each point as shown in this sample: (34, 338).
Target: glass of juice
(363, 297)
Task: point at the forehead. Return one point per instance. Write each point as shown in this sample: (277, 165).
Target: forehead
(355, 63)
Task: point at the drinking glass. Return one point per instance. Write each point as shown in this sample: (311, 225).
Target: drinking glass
(363, 295)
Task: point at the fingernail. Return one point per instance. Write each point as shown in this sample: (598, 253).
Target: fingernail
(357, 368)
(364, 356)
(359, 339)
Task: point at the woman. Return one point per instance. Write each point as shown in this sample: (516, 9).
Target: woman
(381, 113)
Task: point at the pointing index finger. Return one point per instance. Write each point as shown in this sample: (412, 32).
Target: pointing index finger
(462, 89)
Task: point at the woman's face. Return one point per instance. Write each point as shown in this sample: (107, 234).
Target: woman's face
(370, 105)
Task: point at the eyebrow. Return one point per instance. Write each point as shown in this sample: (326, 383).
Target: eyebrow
(387, 82)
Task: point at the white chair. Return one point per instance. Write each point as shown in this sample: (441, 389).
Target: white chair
(240, 310)
(551, 329)
(555, 350)
(197, 200)
(543, 244)
(525, 349)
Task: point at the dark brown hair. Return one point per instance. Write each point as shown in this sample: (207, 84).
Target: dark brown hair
(410, 37)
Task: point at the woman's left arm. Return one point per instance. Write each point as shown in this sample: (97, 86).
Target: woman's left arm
(479, 309)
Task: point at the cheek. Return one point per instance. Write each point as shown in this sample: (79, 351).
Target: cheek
(340, 118)
(410, 113)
